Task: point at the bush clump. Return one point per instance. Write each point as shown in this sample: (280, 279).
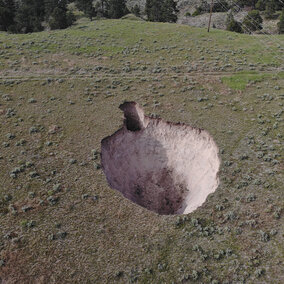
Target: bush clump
(197, 12)
(280, 24)
(233, 25)
(28, 16)
(161, 10)
(60, 19)
(253, 21)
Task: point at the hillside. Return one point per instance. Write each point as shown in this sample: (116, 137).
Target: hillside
(60, 222)
(218, 19)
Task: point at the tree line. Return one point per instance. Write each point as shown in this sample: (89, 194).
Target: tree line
(253, 21)
(25, 16)
(269, 9)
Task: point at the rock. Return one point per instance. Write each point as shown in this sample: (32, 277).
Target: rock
(53, 129)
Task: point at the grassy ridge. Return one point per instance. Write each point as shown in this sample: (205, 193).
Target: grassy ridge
(218, 50)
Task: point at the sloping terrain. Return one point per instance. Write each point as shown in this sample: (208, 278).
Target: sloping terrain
(218, 19)
(60, 222)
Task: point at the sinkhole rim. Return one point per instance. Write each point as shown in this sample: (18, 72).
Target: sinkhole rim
(136, 124)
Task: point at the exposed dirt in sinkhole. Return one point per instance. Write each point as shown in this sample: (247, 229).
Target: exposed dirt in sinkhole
(165, 167)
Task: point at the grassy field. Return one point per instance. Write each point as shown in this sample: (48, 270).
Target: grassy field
(59, 96)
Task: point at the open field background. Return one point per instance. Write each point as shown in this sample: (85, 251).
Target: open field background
(59, 97)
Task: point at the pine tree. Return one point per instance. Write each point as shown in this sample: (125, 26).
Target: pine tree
(87, 7)
(229, 18)
(169, 11)
(161, 10)
(220, 6)
(29, 16)
(7, 14)
(153, 10)
(232, 25)
(59, 17)
(49, 6)
(253, 21)
(116, 9)
(260, 5)
(281, 23)
(269, 9)
(242, 3)
(279, 4)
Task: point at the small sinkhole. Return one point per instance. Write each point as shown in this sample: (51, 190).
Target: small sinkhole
(166, 167)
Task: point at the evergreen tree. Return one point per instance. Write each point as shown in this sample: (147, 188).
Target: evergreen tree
(169, 11)
(260, 5)
(29, 16)
(232, 25)
(205, 6)
(161, 10)
(59, 17)
(49, 6)
(7, 14)
(269, 9)
(279, 5)
(242, 3)
(220, 6)
(87, 7)
(153, 10)
(116, 9)
(253, 21)
(281, 23)
(229, 18)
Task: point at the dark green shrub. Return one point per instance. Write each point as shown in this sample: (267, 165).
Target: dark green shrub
(235, 26)
(269, 10)
(260, 5)
(29, 16)
(70, 18)
(7, 14)
(86, 6)
(232, 25)
(197, 12)
(220, 6)
(116, 9)
(281, 23)
(253, 21)
(60, 19)
(204, 7)
(242, 3)
(161, 10)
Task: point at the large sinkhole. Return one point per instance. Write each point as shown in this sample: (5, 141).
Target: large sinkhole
(165, 167)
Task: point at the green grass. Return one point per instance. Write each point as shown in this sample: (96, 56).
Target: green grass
(79, 77)
(241, 80)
